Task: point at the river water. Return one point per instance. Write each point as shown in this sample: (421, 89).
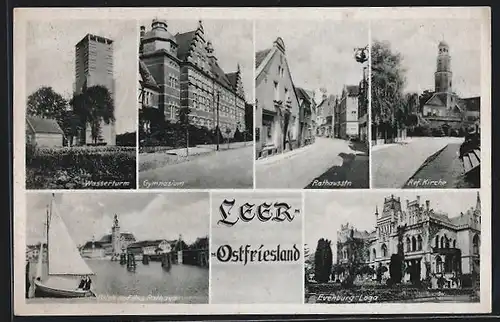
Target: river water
(182, 283)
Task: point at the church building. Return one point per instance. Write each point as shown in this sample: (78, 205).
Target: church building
(186, 73)
(435, 245)
(445, 109)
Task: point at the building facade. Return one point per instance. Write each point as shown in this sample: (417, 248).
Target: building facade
(150, 117)
(277, 108)
(43, 132)
(348, 112)
(110, 244)
(434, 245)
(443, 109)
(307, 117)
(94, 66)
(327, 110)
(187, 75)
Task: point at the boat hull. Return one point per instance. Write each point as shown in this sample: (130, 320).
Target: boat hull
(42, 290)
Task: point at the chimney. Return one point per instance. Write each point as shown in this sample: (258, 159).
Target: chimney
(427, 203)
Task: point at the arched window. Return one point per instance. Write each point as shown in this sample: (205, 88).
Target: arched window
(475, 244)
(374, 254)
(408, 244)
(439, 265)
(413, 244)
(384, 250)
(442, 242)
(447, 242)
(437, 242)
(454, 243)
(419, 242)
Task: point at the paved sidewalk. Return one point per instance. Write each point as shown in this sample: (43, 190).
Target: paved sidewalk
(394, 165)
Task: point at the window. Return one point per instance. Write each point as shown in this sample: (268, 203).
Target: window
(413, 244)
(276, 91)
(419, 242)
(437, 242)
(374, 254)
(442, 242)
(439, 265)
(475, 245)
(384, 250)
(408, 244)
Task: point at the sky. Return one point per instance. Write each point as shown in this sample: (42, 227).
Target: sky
(417, 41)
(146, 215)
(325, 212)
(50, 60)
(232, 41)
(319, 53)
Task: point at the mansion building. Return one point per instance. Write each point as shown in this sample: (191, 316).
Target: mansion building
(435, 245)
(182, 70)
(445, 109)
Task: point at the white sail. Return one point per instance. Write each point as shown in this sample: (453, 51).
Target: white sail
(64, 257)
(39, 266)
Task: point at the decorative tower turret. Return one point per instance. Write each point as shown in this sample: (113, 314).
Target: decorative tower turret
(116, 236)
(443, 75)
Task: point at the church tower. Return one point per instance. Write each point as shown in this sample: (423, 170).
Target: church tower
(116, 236)
(443, 75)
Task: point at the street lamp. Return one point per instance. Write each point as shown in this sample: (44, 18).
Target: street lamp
(217, 125)
(361, 56)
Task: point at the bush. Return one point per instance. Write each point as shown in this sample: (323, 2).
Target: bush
(71, 168)
(126, 139)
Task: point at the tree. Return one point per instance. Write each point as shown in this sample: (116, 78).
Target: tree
(397, 260)
(388, 80)
(323, 261)
(46, 103)
(423, 98)
(183, 121)
(94, 105)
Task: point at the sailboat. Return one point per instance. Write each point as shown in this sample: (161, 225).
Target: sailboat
(64, 262)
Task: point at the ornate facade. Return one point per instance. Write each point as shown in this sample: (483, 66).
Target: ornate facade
(433, 244)
(187, 74)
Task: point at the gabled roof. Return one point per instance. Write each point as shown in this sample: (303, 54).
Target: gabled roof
(352, 90)
(90, 245)
(219, 73)
(147, 78)
(437, 99)
(43, 125)
(260, 56)
(472, 104)
(302, 94)
(232, 78)
(184, 41)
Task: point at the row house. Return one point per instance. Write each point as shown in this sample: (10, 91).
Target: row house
(327, 111)
(188, 75)
(348, 113)
(307, 116)
(277, 114)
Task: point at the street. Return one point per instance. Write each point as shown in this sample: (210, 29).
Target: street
(326, 164)
(223, 170)
(426, 162)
